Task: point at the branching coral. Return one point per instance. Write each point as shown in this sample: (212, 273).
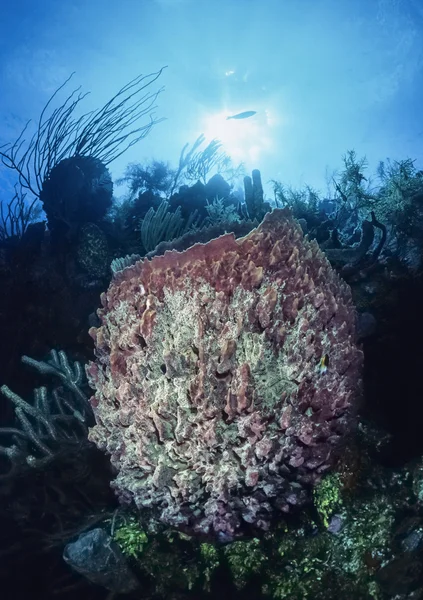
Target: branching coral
(16, 215)
(161, 225)
(219, 213)
(103, 134)
(225, 377)
(196, 164)
(53, 420)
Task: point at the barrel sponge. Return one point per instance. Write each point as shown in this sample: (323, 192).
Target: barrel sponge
(225, 377)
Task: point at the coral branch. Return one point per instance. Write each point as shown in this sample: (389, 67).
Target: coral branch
(53, 420)
(104, 134)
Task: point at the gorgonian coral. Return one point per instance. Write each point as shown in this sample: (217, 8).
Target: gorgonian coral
(212, 397)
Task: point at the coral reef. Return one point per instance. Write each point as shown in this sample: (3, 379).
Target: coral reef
(254, 197)
(161, 225)
(371, 548)
(225, 377)
(203, 235)
(360, 534)
(56, 419)
(103, 134)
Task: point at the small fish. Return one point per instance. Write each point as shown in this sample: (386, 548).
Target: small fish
(243, 115)
(78, 415)
(323, 364)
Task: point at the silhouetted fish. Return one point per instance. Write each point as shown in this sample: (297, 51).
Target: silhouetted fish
(243, 115)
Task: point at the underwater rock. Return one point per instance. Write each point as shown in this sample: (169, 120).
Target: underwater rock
(190, 198)
(226, 376)
(217, 187)
(366, 325)
(98, 558)
(401, 575)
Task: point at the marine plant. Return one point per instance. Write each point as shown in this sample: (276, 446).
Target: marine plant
(354, 189)
(130, 537)
(327, 497)
(197, 164)
(156, 177)
(103, 134)
(400, 195)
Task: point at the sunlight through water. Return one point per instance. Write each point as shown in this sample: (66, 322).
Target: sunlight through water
(244, 140)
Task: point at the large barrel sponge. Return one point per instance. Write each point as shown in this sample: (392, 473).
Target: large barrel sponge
(226, 376)
(78, 190)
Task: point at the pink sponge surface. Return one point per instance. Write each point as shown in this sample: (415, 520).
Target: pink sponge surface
(225, 377)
